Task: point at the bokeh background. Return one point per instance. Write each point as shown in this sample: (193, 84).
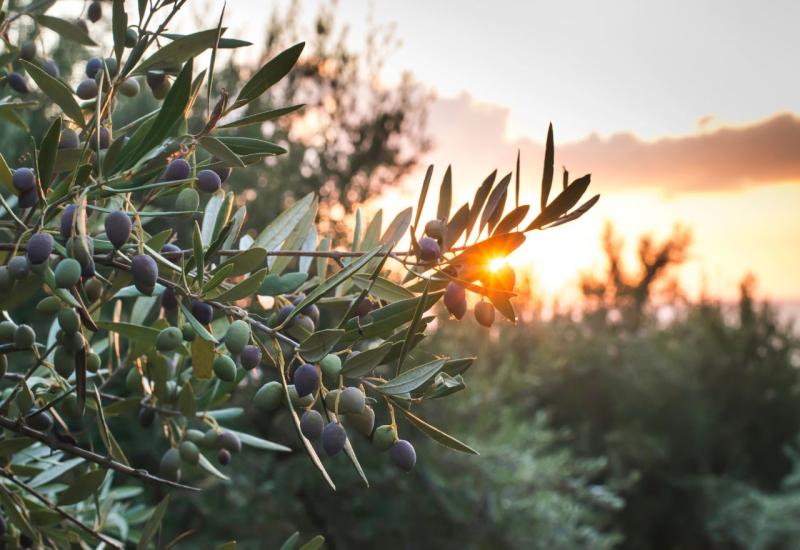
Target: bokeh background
(649, 396)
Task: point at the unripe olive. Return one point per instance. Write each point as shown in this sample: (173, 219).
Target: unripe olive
(118, 228)
(237, 336)
(195, 436)
(203, 312)
(296, 399)
(178, 169)
(333, 438)
(187, 200)
(69, 140)
(306, 379)
(455, 299)
(331, 366)
(131, 37)
(268, 397)
(403, 455)
(311, 424)
(129, 87)
(87, 89)
(484, 313)
(351, 401)
(67, 273)
(6, 280)
(384, 437)
(429, 249)
(23, 179)
(147, 416)
(95, 11)
(189, 452)
(435, 229)
(19, 268)
(169, 339)
(7, 330)
(74, 342)
(93, 362)
(64, 361)
(224, 457)
(50, 305)
(188, 332)
(145, 273)
(230, 441)
(170, 467)
(24, 337)
(224, 368)
(18, 83)
(41, 421)
(69, 320)
(27, 50)
(94, 289)
(208, 181)
(363, 422)
(210, 439)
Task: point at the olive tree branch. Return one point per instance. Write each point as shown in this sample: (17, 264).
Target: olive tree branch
(60, 511)
(104, 461)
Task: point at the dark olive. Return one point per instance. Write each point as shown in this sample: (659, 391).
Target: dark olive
(429, 249)
(40, 246)
(178, 169)
(311, 424)
(306, 379)
(403, 455)
(118, 228)
(208, 181)
(333, 438)
(145, 273)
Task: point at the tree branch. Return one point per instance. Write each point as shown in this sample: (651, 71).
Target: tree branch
(104, 461)
(63, 513)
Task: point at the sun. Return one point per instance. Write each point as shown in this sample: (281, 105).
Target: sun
(496, 264)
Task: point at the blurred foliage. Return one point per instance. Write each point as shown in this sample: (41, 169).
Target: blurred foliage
(355, 135)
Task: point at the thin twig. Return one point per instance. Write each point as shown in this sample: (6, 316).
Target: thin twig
(63, 513)
(104, 461)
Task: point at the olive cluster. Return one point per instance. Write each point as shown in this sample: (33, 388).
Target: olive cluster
(455, 297)
(97, 70)
(343, 406)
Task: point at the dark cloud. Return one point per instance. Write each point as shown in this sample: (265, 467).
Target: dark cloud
(473, 137)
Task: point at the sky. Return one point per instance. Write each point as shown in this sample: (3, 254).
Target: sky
(685, 112)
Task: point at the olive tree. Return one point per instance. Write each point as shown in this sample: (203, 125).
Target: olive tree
(107, 322)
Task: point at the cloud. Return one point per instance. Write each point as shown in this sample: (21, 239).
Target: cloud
(472, 136)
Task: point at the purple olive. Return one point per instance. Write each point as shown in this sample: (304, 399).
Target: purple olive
(306, 379)
(118, 228)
